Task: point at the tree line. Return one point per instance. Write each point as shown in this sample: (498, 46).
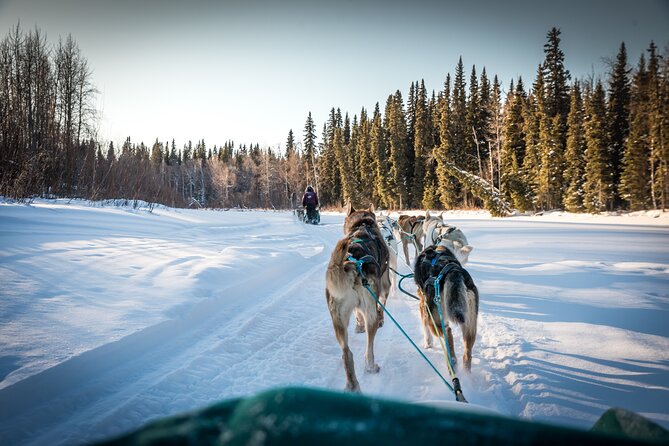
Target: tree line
(581, 145)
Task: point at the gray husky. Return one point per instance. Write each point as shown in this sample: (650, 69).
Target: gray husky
(454, 239)
(458, 297)
(437, 232)
(345, 289)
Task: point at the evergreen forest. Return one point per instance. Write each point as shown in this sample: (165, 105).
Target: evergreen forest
(582, 145)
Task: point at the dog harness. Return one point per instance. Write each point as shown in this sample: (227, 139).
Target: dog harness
(364, 254)
(442, 235)
(419, 221)
(441, 263)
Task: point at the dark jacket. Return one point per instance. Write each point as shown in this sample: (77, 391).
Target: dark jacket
(310, 199)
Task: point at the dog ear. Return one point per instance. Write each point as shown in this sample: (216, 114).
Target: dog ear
(349, 209)
(467, 249)
(427, 214)
(441, 216)
(371, 208)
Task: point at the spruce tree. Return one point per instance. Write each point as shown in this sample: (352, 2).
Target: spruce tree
(412, 103)
(365, 159)
(431, 184)
(484, 117)
(635, 177)
(156, 153)
(351, 151)
(597, 187)
(460, 134)
(111, 155)
(397, 137)
(534, 116)
(574, 158)
(618, 115)
(494, 130)
(554, 132)
(347, 180)
(290, 144)
(473, 125)
(444, 153)
(513, 148)
(309, 144)
(657, 121)
(661, 130)
(552, 163)
(329, 180)
(379, 149)
(556, 77)
(422, 145)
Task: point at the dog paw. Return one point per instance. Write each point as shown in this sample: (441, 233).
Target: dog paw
(373, 369)
(355, 388)
(427, 345)
(359, 328)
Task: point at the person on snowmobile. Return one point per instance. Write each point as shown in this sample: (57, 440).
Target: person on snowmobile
(310, 201)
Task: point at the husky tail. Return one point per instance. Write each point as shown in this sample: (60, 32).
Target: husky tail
(341, 273)
(456, 297)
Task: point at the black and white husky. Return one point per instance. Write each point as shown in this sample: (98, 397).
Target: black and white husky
(458, 298)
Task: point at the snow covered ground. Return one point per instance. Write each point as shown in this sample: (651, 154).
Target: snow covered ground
(111, 317)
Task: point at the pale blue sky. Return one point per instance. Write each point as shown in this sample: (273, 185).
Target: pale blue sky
(251, 70)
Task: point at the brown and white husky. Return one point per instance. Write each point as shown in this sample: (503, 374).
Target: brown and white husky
(345, 289)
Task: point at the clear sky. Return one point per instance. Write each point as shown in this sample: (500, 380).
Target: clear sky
(251, 70)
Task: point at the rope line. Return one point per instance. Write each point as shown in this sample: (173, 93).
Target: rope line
(365, 283)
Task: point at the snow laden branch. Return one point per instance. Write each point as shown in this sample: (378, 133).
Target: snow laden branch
(479, 187)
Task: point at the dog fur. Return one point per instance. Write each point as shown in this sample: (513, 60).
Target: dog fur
(459, 299)
(345, 292)
(455, 240)
(387, 226)
(436, 232)
(411, 228)
(430, 225)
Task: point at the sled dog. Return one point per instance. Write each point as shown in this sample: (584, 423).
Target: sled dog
(411, 232)
(459, 298)
(454, 239)
(299, 213)
(387, 226)
(436, 231)
(430, 225)
(345, 286)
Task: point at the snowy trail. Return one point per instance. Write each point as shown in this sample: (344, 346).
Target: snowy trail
(125, 316)
(194, 355)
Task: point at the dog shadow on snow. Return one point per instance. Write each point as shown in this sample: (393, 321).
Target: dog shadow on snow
(548, 375)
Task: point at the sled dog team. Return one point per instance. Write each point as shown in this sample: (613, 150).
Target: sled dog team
(364, 261)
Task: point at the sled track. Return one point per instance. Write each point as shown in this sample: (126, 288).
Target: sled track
(183, 363)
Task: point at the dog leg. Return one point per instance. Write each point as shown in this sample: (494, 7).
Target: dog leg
(405, 247)
(469, 337)
(425, 318)
(451, 347)
(372, 326)
(359, 322)
(383, 298)
(419, 246)
(340, 318)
